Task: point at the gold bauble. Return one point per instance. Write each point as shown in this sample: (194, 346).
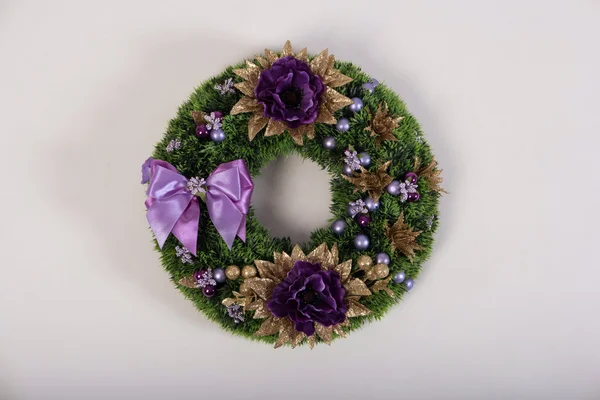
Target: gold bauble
(381, 271)
(232, 272)
(364, 262)
(245, 290)
(249, 271)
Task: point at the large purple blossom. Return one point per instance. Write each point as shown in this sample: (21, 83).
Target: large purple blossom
(290, 92)
(309, 295)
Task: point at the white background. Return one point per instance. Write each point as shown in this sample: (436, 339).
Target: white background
(507, 95)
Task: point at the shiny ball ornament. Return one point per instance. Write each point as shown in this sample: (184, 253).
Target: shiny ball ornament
(217, 135)
(356, 106)
(369, 87)
(248, 272)
(363, 220)
(364, 158)
(361, 242)
(343, 125)
(409, 284)
(399, 277)
(371, 204)
(245, 290)
(202, 131)
(338, 226)
(381, 271)
(412, 197)
(232, 272)
(382, 258)
(208, 291)
(219, 275)
(364, 262)
(329, 142)
(411, 177)
(393, 188)
(374, 82)
(198, 274)
(218, 114)
(347, 170)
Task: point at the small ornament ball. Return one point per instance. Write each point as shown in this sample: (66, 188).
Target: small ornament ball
(329, 142)
(412, 197)
(411, 177)
(202, 131)
(399, 277)
(248, 272)
(208, 291)
(381, 271)
(369, 87)
(363, 220)
(364, 262)
(245, 290)
(382, 258)
(393, 188)
(348, 170)
(343, 125)
(198, 274)
(219, 275)
(218, 114)
(374, 82)
(357, 105)
(338, 226)
(364, 158)
(217, 135)
(361, 242)
(371, 204)
(232, 272)
(409, 283)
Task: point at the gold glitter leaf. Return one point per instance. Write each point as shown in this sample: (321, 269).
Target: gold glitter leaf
(255, 124)
(287, 49)
(260, 309)
(198, 117)
(275, 128)
(269, 327)
(283, 263)
(355, 309)
(320, 254)
(271, 56)
(263, 287)
(325, 116)
(324, 332)
(356, 287)
(244, 105)
(338, 330)
(374, 183)
(249, 74)
(383, 125)
(335, 100)
(298, 254)
(403, 238)
(267, 270)
(382, 285)
(188, 282)
(318, 65)
(263, 63)
(228, 302)
(303, 55)
(312, 341)
(344, 270)
(431, 174)
(245, 87)
(336, 78)
(286, 332)
(334, 253)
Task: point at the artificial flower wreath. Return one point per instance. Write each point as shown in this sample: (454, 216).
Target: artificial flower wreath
(385, 187)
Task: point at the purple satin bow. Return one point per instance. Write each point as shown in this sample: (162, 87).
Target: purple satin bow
(172, 208)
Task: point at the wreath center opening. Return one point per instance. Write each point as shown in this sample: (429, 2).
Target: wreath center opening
(292, 198)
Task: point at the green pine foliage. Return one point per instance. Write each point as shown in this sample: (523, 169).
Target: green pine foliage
(198, 157)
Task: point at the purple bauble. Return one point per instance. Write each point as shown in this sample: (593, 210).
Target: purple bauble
(374, 82)
(357, 105)
(363, 220)
(393, 188)
(343, 125)
(217, 135)
(364, 158)
(411, 177)
(218, 114)
(338, 226)
(409, 283)
(219, 275)
(348, 170)
(399, 277)
(412, 197)
(371, 204)
(369, 87)
(361, 242)
(198, 274)
(202, 131)
(329, 142)
(208, 291)
(382, 258)
(290, 92)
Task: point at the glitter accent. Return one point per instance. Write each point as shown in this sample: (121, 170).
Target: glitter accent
(184, 254)
(235, 312)
(206, 279)
(407, 187)
(196, 185)
(352, 160)
(173, 145)
(430, 222)
(357, 207)
(225, 87)
(213, 122)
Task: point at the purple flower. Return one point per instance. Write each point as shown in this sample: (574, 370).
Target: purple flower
(146, 166)
(309, 295)
(290, 92)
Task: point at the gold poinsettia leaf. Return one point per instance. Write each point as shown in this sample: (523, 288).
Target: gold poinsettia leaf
(298, 133)
(431, 174)
(300, 336)
(344, 270)
(255, 124)
(324, 332)
(322, 255)
(198, 117)
(303, 55)
(263, 63)
(250, 73)
(382, 285)
(335, 100)
(298, 254)
(318, 65)
(325, 116)
(269, 327)
(335, 254)
(275, 128)
(268, 270)
(244, 105)
(263, 287)
(284, 264)
(335, 78)
(338, 330)
(312, 341)
(287, 49)
(355, 309)
(286, 332)
(260, 309)
(356, 287)
(229, 302)
(245, 87)
(373, 183)
(383, 124)
(188, 282)
(403, 238)
(271, 56)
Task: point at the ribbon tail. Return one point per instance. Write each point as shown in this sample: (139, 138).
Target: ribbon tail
(225, 216)
(241, 232)
(162, 218)
(186, 227)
